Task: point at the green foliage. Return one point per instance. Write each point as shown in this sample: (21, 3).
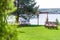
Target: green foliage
(10, 33)
(26, 6)
(57, 22)
(6, 32)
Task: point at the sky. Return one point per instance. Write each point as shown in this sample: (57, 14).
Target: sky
(48, 3)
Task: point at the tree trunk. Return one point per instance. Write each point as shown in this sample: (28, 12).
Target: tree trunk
(17, 18)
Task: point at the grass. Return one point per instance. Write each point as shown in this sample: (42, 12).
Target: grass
(38, 33)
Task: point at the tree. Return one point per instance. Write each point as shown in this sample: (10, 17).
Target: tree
(57, 22)
(6, 7)
(26, 7)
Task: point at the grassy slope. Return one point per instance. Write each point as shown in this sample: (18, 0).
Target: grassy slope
(38, 33)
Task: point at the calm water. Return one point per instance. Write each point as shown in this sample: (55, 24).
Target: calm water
(42, 18)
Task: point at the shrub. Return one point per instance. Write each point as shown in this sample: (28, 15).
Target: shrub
(9, 33)
(57, 22)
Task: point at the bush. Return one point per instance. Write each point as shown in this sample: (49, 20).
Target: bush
(9, 33)
(57, 22)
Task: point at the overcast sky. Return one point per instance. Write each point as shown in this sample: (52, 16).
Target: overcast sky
(48, 3)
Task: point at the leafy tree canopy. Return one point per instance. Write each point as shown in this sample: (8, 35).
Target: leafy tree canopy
(26, 6)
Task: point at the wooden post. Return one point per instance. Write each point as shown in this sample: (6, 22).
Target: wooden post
(47, 18)
(37, 18)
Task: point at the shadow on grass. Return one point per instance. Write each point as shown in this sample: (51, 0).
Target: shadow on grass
(30, 25)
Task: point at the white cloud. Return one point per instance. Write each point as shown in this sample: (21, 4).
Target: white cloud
(48, 3)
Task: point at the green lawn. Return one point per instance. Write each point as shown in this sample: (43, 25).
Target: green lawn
(38, 33)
